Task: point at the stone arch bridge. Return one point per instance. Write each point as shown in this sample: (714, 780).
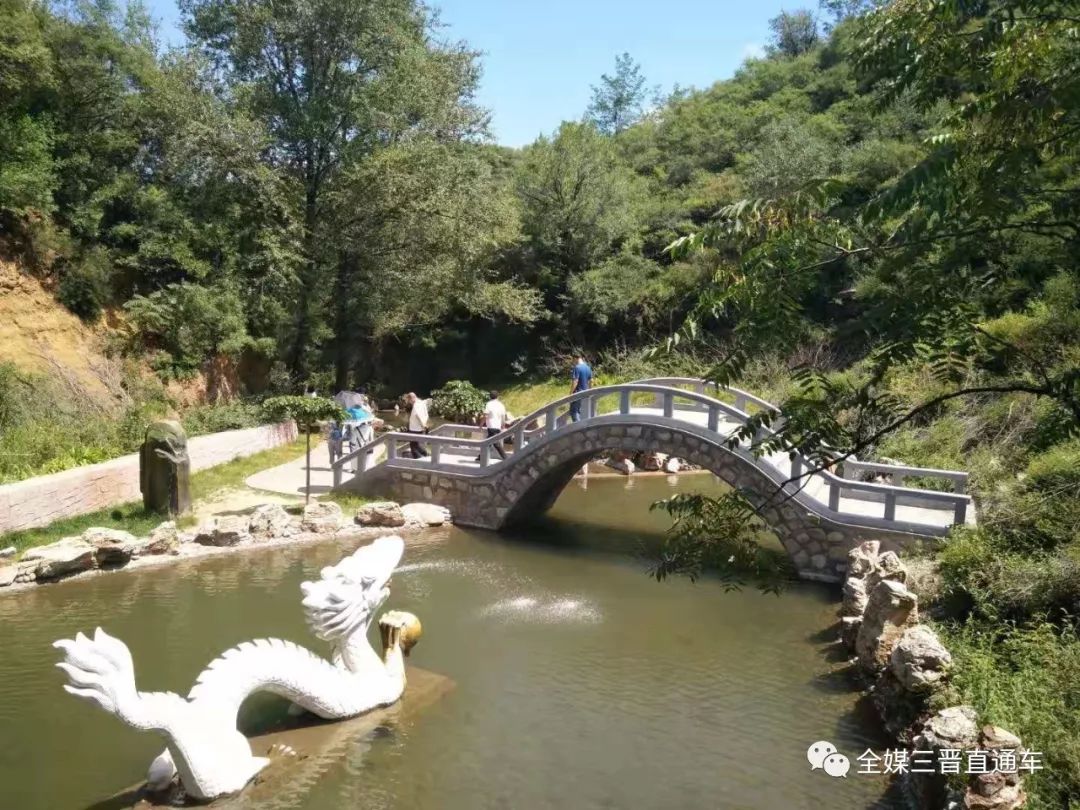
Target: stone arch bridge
(817, 518)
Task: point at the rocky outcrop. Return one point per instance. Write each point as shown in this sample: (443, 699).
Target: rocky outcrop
(1001, 788)
(622, 465)
(321, 517)
(919, 661)
(890, 610)
(113, 547)
(425, 514)
(907, 664)
(164, 539)
(386, 514)
(270, 520)
(227, 530)
(62, 558)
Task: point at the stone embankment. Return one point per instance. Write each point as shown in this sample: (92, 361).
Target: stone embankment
(101, 549)
(906, 668)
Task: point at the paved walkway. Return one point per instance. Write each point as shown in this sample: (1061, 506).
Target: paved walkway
(290, 478)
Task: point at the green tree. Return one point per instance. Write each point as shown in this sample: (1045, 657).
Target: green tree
(307, 412)
(793, 32)
(333, 82)
(618, 101)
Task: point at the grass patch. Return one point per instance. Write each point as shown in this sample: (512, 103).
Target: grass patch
(1026, 680)
(131, 517)
(233, 473)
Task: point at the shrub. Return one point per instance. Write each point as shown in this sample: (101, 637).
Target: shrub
(84, 285)
(458, 401)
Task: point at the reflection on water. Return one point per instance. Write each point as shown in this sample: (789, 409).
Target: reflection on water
(580, 682)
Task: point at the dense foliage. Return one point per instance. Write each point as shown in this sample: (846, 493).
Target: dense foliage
(875, 224)
(458, 401)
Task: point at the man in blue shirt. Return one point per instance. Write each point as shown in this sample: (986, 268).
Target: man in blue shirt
(581, 380)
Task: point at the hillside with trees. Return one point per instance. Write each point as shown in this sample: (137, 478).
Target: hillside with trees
(875, 223)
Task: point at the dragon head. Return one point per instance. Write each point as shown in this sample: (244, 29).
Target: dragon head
(345, 598)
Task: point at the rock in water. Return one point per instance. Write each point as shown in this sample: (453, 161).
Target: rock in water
(321, 517)
(270, 520)
(425, 514)
(891, 609)
(227, 530)
(673, 465)
(380, 513)
(68, 556)
(165, 469)
(8, 574)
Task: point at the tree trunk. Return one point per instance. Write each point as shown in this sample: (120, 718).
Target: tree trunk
(307, 486)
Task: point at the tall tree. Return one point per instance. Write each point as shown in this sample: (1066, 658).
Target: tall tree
(793, 32)
(619, 100)
(334, 80)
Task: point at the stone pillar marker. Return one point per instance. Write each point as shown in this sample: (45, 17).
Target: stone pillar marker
(165, 469)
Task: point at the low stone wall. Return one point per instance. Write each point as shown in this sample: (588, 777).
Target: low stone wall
(47, 498)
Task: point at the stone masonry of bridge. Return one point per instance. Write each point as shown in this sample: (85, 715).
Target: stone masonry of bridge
(530, 483)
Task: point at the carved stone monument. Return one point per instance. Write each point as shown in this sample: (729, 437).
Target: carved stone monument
(203, 744)
(164, 469)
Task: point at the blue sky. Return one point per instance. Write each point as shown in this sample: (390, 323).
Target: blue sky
(541, 56)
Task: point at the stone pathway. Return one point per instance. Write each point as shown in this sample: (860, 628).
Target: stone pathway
(290, 478)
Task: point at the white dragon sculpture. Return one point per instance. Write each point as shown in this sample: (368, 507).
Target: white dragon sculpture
(203, 744)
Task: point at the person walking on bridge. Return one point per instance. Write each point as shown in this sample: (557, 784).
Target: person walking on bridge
(418, 422)
(495, 421)
(580, 380)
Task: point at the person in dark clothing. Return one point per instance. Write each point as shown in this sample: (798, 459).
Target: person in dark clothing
(580, 380)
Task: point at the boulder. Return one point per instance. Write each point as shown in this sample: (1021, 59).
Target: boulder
(7, 552)
(953, 728)
(1001, 788)
(863, 558)
(890, 610)
(164, 539)
(673, 465)
(887, 567)
(855, 597)
(321, 517)
(651, 462)
(380, 513)
(622, 465)
(8, 574)
(270, 520)
(425, 514)
(62, 558)
(919, 660)
(849, 630)
(227, 530)
(113, 546)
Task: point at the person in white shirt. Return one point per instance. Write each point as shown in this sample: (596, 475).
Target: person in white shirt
(418, 422)
(495, 420)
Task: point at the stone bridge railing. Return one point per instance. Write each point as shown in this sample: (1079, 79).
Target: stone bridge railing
(450, 447)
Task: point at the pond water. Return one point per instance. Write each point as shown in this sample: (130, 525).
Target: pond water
(581, 683)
